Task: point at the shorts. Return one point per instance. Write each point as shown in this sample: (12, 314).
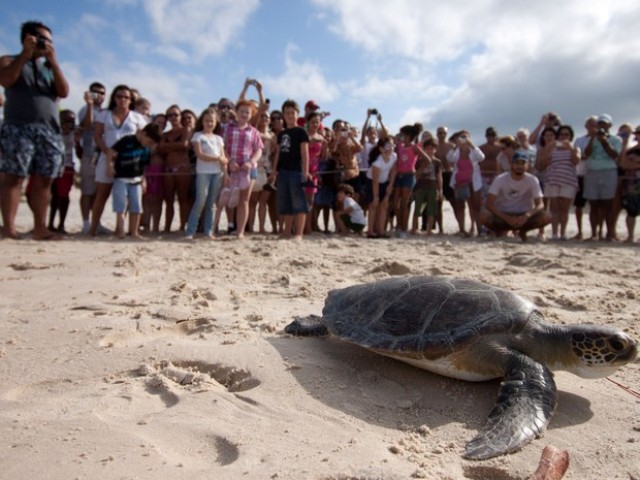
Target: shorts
(32, 149)
(382, 190)
(324, 197)
(426, 201)
(499, 225)
(600, 184)
(405, 180)
(291, 199)
(240, 179)
(123, 191)
(563, 191)
(87, 175)
(153, 176)
(354, 227)
(579, 200)
(101, 170)
(63, 184)
(447, 191)
(356, 183)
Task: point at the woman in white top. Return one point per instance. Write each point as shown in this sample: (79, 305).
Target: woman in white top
(380, 178)
(111, 125)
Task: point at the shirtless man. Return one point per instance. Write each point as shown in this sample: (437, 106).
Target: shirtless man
(443, 147)
(344, 148)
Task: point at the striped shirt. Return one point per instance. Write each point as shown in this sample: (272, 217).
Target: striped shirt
(561, 170)
(241, 143)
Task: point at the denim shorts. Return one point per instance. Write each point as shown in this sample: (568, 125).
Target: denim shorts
(600, 184)
(31, 149)
(290, 196)
(123, 190)
(405, 180)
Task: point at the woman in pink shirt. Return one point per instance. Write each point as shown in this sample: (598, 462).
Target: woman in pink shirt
(466, 179)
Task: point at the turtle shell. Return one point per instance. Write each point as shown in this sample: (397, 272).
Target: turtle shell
(432, 316)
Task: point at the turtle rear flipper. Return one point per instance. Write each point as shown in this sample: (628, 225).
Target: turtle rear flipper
(310, 326)
(525, 403)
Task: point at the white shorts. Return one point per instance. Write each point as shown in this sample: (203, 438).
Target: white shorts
(101, 170)
(564, 191)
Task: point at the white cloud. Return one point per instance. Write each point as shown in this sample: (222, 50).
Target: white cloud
(202, 27)
(301, 81)
(505, 62)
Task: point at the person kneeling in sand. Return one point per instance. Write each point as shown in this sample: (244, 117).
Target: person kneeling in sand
(514, 201)
(126, 161)
(350, 217)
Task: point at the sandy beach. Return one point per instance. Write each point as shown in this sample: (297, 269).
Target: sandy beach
(166, 359)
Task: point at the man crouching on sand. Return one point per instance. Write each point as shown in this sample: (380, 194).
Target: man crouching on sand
(515, 202)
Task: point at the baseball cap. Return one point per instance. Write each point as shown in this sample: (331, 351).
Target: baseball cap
(520, 156)
(605, 118)
(312, 105)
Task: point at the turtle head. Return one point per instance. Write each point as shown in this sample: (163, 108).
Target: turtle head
(599, 351)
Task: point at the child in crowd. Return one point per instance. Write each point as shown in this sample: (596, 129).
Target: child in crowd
(126, 161)
(349, 216)
(428, 189)
(211, 160)
(61, 186)
(291, 171)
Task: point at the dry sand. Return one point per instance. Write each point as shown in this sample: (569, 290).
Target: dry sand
(166, 359)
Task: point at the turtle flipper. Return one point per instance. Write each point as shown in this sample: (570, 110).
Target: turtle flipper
(525, 403)
(310, 326)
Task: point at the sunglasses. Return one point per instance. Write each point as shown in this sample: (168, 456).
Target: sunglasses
(126, 97)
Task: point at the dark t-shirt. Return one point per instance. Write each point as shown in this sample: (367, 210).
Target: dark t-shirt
(290, 141)
(131, 157)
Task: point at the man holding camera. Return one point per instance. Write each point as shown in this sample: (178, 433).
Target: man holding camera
(601, 178)
(30, 138)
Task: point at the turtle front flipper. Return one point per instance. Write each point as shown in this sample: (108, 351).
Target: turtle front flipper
(310, 326)
(525, 403)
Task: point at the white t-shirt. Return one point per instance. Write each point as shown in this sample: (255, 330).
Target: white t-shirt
(210, 145)
(515, 196)
(383, 166)
(112, 132)
(356, 215)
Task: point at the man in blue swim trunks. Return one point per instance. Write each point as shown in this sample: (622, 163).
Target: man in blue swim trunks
(30, 138)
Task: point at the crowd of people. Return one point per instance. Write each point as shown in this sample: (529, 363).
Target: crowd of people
(284, 171)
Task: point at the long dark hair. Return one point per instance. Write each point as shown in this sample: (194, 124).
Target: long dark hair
(377, 149)
(412, 131)
(112, 98)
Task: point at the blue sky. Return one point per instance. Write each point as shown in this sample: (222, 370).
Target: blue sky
(463, 64)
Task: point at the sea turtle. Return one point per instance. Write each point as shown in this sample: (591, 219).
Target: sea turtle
(473, 331)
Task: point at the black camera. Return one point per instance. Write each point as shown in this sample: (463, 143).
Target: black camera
(40, 42)
(602, 131)
(374, 111)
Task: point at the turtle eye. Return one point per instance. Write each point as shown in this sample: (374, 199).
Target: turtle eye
(617, 345)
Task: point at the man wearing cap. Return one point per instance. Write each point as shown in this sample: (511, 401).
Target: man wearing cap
(309, 107)
(514, 201)
(601, 177)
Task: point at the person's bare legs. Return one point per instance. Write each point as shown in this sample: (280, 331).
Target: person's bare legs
(10, 192)
(298, 225)
(103, 190)
(40, 198)
(242, 211)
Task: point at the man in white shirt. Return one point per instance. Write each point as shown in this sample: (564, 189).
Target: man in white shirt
(514, 201)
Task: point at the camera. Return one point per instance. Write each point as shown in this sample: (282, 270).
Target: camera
(602, 131)
(374, 111)
(40, 42)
